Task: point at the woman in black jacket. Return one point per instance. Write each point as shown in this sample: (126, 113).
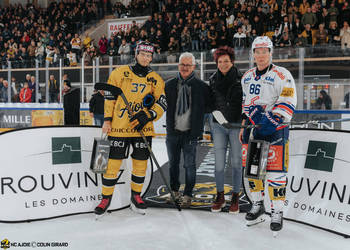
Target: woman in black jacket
(226, 88)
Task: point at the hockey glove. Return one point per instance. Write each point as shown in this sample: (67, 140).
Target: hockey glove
(255, 114)
(140, 119)
(269, 124)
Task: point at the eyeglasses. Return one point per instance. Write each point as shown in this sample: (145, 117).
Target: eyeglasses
(185, 65)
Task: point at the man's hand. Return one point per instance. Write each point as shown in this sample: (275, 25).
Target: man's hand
(140, 119)
(269, 123)
(255, 114)
(107, 127)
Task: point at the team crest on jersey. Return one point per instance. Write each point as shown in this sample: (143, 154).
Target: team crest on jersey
(126, 73)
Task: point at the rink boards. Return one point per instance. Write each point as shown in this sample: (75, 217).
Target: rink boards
(45, 173)
(318, 190)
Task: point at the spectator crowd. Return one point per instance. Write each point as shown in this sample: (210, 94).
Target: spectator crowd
(194, 25)
(28, 33)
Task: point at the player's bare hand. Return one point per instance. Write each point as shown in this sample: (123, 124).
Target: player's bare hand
(107, 127)
(240, 136)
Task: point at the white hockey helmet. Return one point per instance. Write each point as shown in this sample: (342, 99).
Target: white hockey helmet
(262, 42)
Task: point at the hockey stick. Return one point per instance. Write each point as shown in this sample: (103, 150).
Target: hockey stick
(221, 120)
(115, 90)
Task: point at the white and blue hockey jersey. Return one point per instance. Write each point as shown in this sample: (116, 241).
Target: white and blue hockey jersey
(274, 91)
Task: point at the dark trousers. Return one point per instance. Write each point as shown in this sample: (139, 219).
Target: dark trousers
(175, 144)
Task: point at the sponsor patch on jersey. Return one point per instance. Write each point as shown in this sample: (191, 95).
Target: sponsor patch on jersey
(247, 80)
(287, 92)
(269, 79)
(152, 80)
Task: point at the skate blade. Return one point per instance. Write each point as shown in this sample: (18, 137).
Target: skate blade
(275, 234)
(99, 216)
(255, 222)
(137, 210)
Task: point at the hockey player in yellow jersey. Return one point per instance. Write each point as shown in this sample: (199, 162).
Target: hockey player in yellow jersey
(144, 90)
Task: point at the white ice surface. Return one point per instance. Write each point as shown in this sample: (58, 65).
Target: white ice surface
(169, 229)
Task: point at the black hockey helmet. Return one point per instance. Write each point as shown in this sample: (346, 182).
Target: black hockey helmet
(144, 46)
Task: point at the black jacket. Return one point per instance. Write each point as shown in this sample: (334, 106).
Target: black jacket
(97, 103)
(227, 93)
(201, 100)
(71, 106)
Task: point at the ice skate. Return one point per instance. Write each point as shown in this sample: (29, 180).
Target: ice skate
(276, 222)
(101, 209)
(255, 215)
(137, 204)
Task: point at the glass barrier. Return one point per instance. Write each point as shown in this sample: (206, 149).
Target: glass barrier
(314, 69)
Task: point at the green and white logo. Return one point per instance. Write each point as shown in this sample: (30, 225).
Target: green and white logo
(66, 150)
(320, 155)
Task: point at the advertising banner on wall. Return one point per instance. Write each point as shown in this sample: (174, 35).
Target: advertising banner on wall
(318, 189)
(124, 24)
(308, 115)
(24, 118)
(45, 173)
(15, 118)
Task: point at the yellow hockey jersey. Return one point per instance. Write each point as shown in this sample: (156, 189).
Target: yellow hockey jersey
(135, 88)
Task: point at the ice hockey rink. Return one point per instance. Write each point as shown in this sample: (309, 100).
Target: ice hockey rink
(167, 228)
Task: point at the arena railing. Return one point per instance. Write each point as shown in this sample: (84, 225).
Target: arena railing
(313, 68)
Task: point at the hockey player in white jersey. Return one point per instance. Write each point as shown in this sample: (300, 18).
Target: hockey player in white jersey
(269, 100)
